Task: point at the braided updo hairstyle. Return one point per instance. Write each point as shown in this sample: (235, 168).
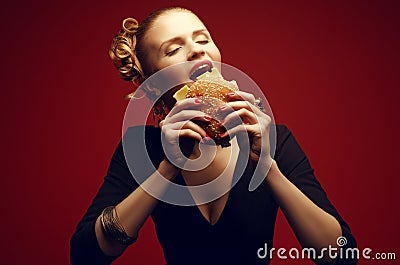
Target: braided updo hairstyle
(127, 49)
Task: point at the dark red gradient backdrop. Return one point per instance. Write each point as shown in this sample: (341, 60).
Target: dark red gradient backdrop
(330, 70)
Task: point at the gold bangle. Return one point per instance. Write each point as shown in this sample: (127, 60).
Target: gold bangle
(112, 227)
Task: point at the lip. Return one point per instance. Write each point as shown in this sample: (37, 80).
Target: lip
(208, 65)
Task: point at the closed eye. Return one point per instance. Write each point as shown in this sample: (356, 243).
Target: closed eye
(170, 53)
(202, 42)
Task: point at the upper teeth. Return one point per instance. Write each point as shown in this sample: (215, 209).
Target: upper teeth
(200, 70)
(202, 66)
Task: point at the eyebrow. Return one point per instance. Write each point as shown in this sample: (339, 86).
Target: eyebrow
(196, 32)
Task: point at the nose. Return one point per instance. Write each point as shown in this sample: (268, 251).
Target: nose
(196, 52)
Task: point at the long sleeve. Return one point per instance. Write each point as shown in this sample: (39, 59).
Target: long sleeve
(117, 185)
(296, 167)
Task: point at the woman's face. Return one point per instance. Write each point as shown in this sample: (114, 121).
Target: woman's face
(175, 37)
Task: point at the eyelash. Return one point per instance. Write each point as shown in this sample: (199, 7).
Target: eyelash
(203, 41)
(170, 53)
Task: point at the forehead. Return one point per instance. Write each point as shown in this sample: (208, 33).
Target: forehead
(172, 24)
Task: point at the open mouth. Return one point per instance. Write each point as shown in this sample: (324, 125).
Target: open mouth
(200, 68)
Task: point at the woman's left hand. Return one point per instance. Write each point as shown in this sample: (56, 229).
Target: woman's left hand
(244, 119)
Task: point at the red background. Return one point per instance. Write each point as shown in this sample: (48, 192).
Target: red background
(330, 70)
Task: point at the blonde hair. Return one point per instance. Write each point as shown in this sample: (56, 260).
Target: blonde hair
(126, 50)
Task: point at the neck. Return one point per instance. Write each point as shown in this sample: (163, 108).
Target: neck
(215, 160)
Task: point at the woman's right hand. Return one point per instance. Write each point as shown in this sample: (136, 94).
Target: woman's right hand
(178, 125)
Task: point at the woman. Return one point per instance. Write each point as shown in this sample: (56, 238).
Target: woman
(232, 228)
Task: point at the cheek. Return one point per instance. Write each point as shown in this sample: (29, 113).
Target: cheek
(172, 72)
(168, 61)
(216, 55)
(149, 65)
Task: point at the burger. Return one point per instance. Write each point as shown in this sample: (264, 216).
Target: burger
(213, 90)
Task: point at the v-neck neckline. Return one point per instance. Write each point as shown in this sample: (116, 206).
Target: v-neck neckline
(218, 220)
(196, 207)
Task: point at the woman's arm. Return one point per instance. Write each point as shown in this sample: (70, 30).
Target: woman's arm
(132, 159)
(136, 208)
(121, 189)
(313, 226)
(312, 216)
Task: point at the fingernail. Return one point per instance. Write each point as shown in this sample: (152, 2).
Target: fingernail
(231, 94)
(197, 100)
(206, 139)
(222, 107)
(207, 117)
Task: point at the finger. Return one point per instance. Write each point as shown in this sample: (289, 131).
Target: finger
(189, 103)
(235, 105)
(256, 129)
(241, 95)
(253, 129)
(244, 96)
(185, 115)
(240, 116)
(194, 127)
(190, 133)
(172, 129)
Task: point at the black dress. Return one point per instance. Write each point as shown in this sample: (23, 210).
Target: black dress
(245, 225)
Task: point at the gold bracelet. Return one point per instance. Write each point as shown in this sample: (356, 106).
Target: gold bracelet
(112, 227)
